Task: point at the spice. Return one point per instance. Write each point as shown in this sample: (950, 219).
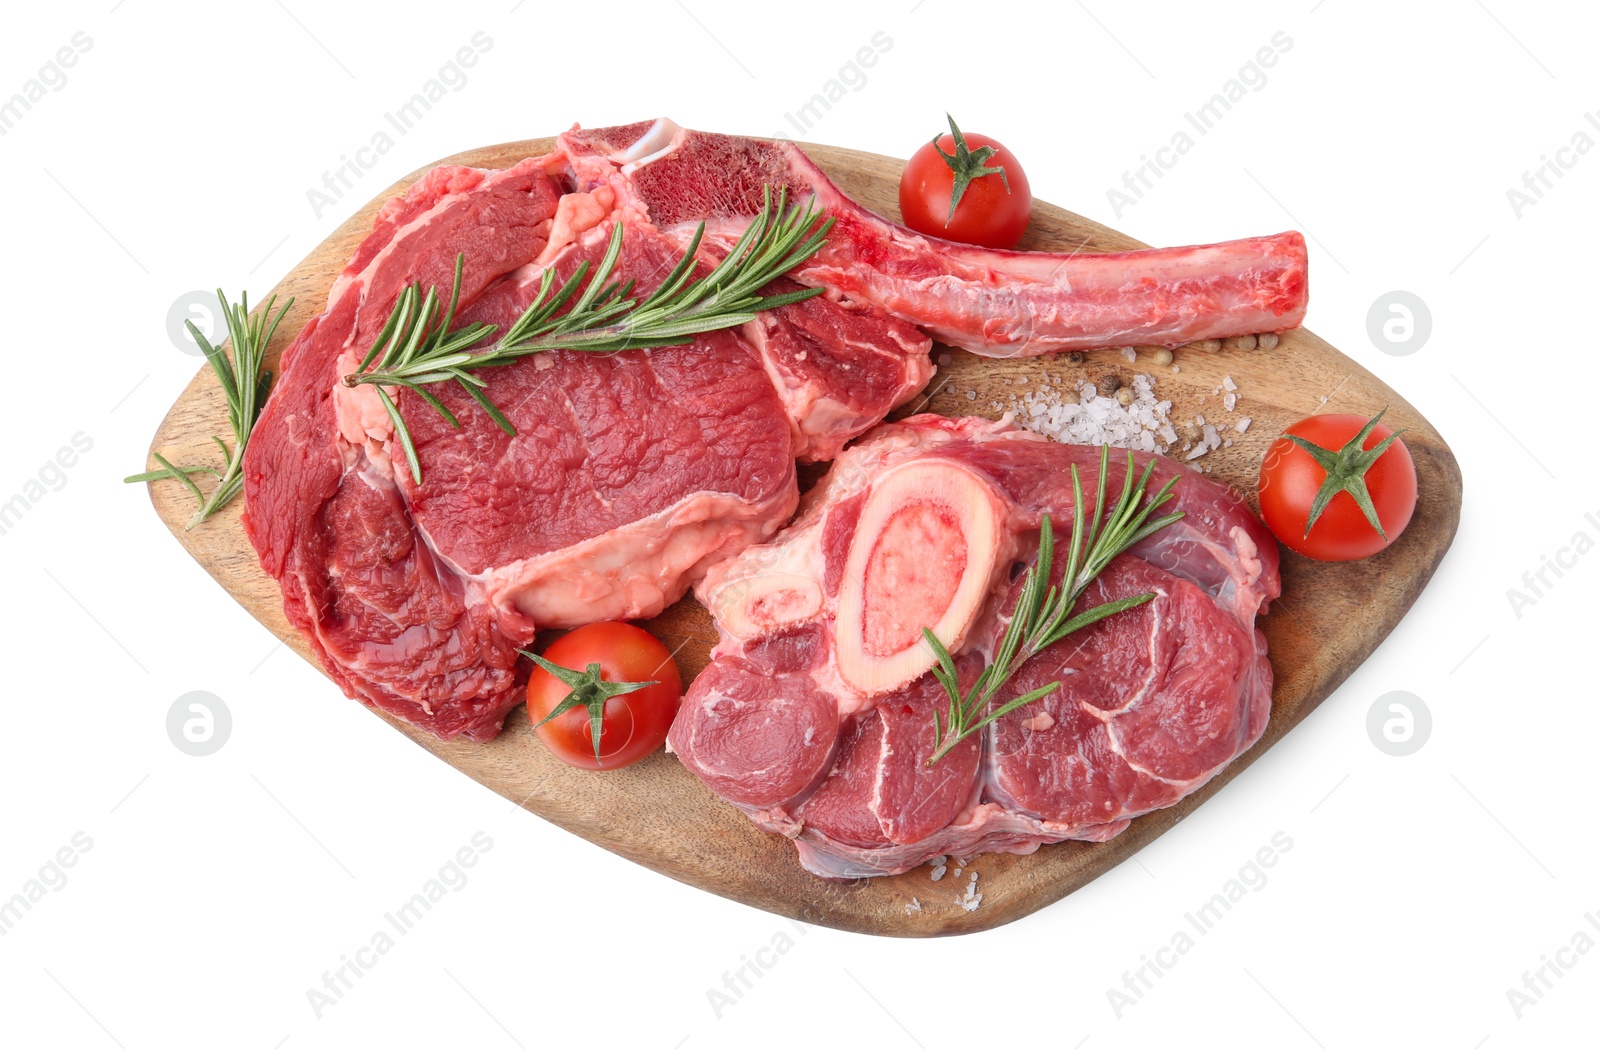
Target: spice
(1082, 415)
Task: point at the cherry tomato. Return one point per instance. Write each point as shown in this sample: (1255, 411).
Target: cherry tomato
(1293, 479)
(615, 672)
(991, 209)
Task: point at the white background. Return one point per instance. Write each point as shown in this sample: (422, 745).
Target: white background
(218, 890)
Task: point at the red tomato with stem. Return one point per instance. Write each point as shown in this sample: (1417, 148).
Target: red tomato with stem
(604, 696)
(968, 188)
(1338, 487)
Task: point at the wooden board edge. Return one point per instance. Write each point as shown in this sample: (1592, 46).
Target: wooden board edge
(1144, 830)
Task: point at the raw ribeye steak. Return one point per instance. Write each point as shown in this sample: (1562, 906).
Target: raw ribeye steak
(816, 714)
(630, 473)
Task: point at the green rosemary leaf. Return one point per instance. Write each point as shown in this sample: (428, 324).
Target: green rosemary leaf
(1007, 707)
(264, 387)
(1091, 616)
(397, 316)
(403, 433)
(589, 312)
(180, 475)
(1043, 612)
(245, 385)
(602, 272)
(165, 473)
(455, 295)
(434, 403)
(225, 493)
(680, 273)
(219, 364)
(487, 405)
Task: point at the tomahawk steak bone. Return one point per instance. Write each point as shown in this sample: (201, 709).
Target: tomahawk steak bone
(994, 303)
(631, 475)
(816, 713)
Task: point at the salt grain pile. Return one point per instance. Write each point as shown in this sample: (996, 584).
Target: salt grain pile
(1143, 423)
(1093, 418)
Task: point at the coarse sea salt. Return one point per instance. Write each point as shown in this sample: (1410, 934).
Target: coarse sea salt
(1084, 416)
(972, 898)
(1209, 441)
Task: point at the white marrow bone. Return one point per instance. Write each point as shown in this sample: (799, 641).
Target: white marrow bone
(758, 605)
(929, 543)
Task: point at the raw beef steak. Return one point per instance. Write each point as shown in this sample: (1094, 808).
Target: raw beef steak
(815, 716)
(629, 475)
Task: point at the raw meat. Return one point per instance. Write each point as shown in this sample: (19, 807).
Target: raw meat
(815, 715)
(630, 473)
(995, 303)
(633, 475)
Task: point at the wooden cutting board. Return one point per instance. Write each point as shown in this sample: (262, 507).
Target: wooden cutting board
(1330, 618)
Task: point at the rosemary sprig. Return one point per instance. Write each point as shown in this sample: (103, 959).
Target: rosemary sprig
(418, 347)
(1040, 618)
(245, 385)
